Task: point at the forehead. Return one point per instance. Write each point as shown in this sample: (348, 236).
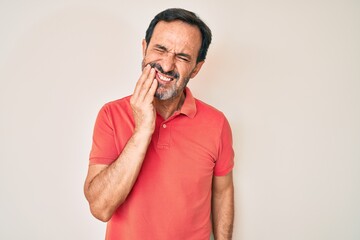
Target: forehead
(177, 36)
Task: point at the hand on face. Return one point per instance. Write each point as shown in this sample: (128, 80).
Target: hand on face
(142, 101)
(167, 82)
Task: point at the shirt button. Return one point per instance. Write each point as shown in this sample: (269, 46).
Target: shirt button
(164, 125)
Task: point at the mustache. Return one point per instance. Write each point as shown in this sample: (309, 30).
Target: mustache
(158, 67)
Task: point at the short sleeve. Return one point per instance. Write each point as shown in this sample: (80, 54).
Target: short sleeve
(225, 161)
(103, 150)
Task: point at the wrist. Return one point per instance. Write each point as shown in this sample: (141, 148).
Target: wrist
(142, 134)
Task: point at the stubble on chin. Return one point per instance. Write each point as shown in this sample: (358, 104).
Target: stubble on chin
(163, 93)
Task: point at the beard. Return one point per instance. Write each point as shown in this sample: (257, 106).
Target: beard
(164, 92)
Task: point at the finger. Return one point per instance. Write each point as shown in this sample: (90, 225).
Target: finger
(141, 80)
(147, 84)
(150, 96)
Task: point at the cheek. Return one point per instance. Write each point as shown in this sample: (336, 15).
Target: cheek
(151, 59)
(186, 71)
(151, 56)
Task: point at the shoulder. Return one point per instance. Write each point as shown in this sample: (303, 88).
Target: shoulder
(115, 109)
(210, 117)
(122, 102)
(118, 105)
(206, 110)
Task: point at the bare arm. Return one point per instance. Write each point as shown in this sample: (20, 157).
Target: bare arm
(107, 186)
(223, 207)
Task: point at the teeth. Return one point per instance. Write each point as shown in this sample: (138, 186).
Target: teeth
(164, 78)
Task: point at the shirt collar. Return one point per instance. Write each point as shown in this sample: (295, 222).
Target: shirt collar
(189, 106)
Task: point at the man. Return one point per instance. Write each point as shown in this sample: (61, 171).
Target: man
(161, 161)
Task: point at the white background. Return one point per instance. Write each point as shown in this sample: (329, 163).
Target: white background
(285, 73)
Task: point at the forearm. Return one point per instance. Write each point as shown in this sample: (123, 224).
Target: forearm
(109, 188)
(223, 214)
(106, 187)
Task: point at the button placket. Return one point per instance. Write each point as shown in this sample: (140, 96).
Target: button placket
(164, 136)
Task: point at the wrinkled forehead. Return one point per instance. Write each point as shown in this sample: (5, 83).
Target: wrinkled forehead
(177, 36)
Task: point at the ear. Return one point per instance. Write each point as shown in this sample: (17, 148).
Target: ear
(144, 47)
(196, 69)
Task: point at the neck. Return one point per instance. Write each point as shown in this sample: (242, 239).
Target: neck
(166, 108)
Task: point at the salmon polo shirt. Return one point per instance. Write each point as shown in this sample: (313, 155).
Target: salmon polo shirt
(171, 198)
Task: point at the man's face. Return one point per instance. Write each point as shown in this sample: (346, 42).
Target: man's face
(172, 51)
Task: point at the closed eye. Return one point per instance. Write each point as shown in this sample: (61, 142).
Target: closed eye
(160, 48)
(183, 58)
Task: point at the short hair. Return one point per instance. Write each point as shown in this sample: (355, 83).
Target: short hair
(173, 14)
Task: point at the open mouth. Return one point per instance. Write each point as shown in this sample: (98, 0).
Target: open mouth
(162, 78)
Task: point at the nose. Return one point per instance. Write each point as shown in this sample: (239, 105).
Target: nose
(168, 62)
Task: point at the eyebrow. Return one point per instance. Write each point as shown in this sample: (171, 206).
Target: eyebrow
(161, 47)
(176, 54)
